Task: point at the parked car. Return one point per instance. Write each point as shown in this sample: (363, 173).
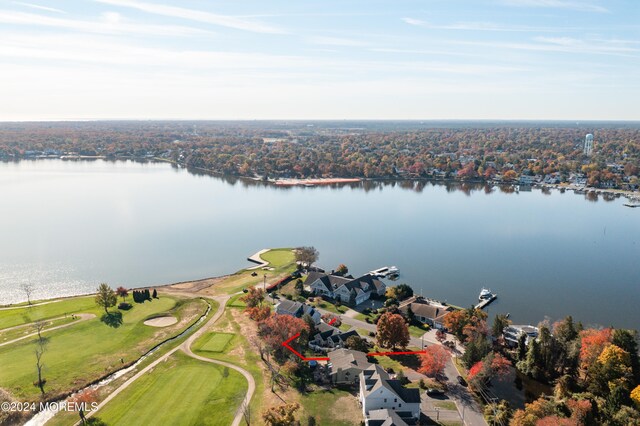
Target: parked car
(462, 381)
(434, 392)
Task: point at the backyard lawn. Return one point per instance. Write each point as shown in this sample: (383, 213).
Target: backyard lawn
(334, 407)
(179, 391)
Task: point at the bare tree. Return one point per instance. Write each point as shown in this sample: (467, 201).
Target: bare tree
(307, 255)
(27, 288)
(246, 411)
(41, 347)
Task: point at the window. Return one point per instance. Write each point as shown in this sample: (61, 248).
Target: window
(385, 400)
(395, 399)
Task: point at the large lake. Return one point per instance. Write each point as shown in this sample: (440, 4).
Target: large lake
(67, 226)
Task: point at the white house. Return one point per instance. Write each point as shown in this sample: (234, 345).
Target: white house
(379, 392)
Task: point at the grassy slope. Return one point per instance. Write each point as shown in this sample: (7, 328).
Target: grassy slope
(180, 391)
(216, 342)
(24, 315)
(82, 352)
(250, 360)
(334, 407)
(283, 260)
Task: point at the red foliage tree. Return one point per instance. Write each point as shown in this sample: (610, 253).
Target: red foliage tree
(592, 343)
(122, 292)
(433, 361)
(258, 313)
(278, 328)
(254, 297)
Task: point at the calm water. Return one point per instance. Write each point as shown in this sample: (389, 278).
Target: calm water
(66, 226)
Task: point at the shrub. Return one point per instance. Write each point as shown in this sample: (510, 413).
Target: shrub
(125, 306)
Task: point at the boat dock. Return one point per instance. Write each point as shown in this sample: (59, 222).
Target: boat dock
(484, 303)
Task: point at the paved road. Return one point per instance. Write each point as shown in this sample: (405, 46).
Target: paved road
(469, 409)
(186, 348)
(83, 317)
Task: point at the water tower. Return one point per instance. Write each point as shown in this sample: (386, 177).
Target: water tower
(588, 144)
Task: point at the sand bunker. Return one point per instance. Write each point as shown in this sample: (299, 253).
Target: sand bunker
(161, 321)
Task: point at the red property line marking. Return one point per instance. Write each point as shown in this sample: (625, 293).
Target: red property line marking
(395, 353)
(304, 358)
(333, 320)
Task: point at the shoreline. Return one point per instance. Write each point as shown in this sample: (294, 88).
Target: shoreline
(280, 182)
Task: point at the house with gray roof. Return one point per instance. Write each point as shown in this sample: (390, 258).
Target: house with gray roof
(426, 311)
(378, 391)
(346, 289)
(386, 417)
(346, 365)
(297, 309)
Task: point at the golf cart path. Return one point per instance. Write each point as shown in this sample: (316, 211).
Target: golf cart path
(83, 317)
(186, 348)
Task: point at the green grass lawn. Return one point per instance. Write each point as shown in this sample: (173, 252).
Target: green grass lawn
(180, 391)
(446, 405)
(416, 331)
(88, 350)
(278, 258)
(281, 259)
(60, 308)
(345, 327)
(235, 301)
(328, 306)
(216, 342)
(334, 407)
(16, 333)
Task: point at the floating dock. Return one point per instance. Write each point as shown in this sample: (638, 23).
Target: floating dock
(484, 303)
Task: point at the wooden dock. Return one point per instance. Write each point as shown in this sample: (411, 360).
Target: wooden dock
(486, 302)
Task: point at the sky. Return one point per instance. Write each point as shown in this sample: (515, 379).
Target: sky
(310, 59)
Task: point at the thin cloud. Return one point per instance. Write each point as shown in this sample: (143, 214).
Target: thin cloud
(483, 26)
(196, 15)
(39, 7)
(582, 6)
(337, 41)
(111, 23)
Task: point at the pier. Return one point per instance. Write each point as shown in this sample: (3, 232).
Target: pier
(484, 303)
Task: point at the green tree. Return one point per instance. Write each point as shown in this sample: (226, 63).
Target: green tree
(500, 322)
(106, 297)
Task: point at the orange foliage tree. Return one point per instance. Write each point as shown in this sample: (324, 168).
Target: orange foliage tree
(592, 343)
(392, 331)
(433, 361)
(278, 328)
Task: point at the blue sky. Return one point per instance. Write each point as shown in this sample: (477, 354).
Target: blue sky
(332, 59)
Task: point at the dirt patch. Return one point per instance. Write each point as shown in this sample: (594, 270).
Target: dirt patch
(161, 321)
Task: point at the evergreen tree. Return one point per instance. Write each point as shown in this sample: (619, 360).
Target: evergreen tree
(155, 293)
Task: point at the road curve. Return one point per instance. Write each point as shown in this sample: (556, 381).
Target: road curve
(186, 348)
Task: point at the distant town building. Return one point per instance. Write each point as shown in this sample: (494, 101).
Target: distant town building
(512, 334)
(588, 144)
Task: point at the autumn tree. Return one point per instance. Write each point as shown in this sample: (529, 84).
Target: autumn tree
(281, 415)
(278, 328)
(254, 297)
(497, 413)
(106, 297)
(258, 313)
(628, 341)
(392, 331)
(592, 343)
(356, 343)
(122, 292)
(635, 396)
(399, 292)
(433, 361)
(492, 366)
(533, 412)
(307, 255)
(342, 270)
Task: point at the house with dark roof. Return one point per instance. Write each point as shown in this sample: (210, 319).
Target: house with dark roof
(346, 365)
(378, 391)
(345, 289)
(386, 417)
(426, 311)
(297, 309)
(328, 336)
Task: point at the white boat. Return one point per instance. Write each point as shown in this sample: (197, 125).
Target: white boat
(485, 294)
(393, 270)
